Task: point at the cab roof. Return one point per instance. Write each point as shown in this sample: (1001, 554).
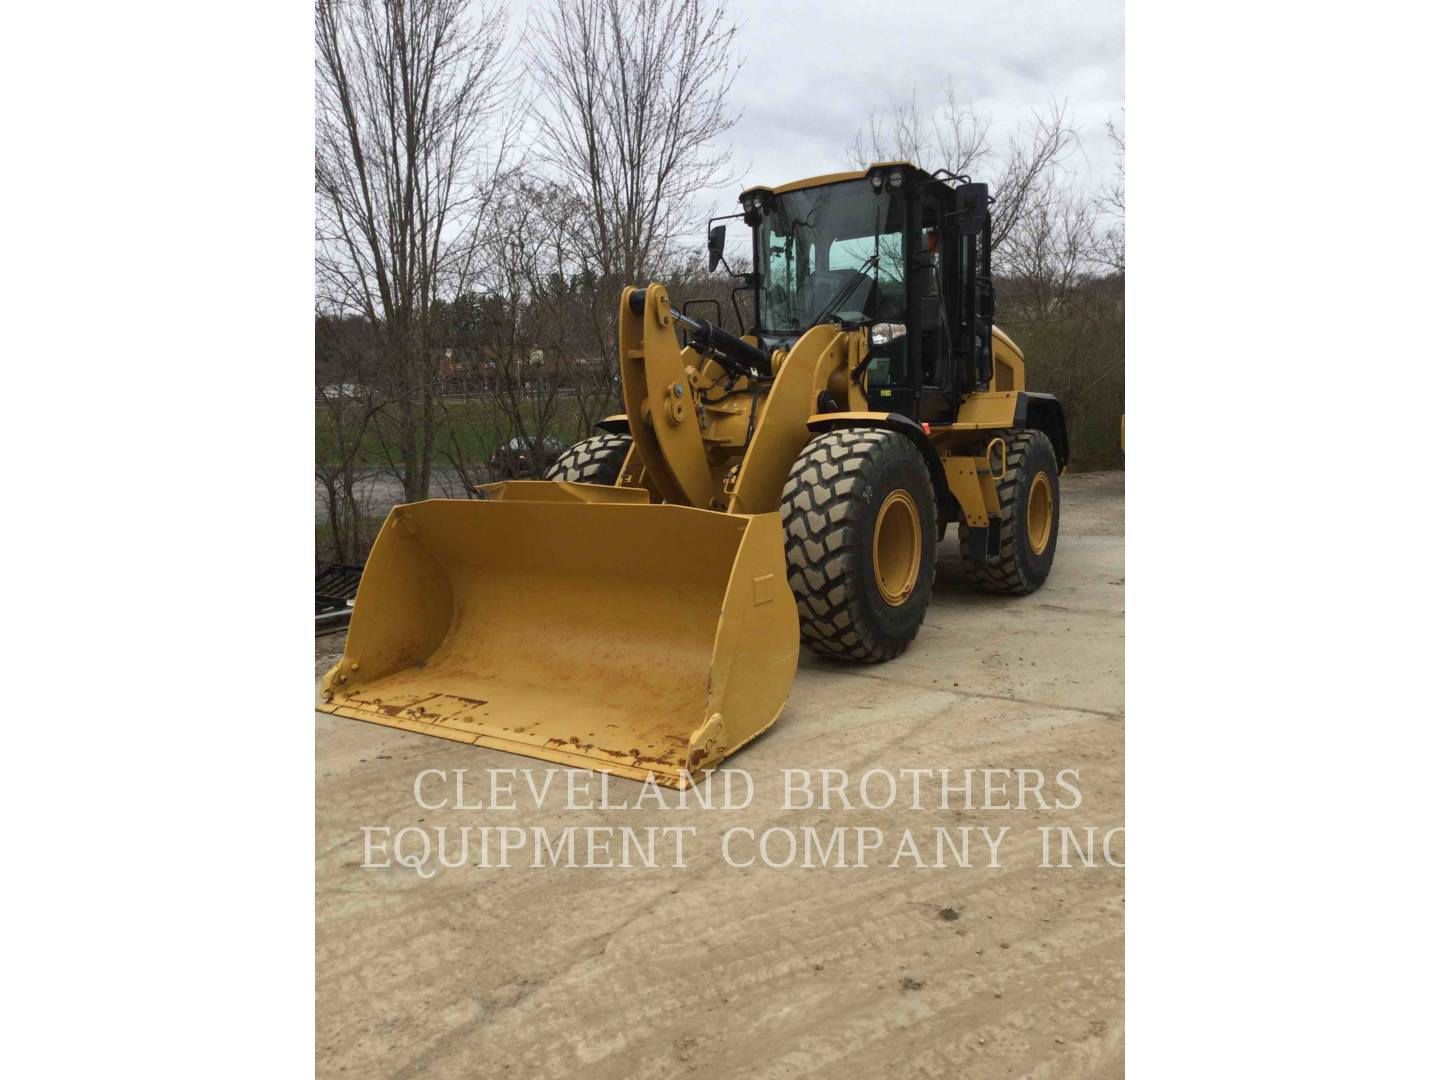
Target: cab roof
(829, 178)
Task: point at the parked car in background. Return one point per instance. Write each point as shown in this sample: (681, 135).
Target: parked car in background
(517, 459)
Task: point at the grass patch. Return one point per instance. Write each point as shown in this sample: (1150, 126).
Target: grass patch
(465, 428)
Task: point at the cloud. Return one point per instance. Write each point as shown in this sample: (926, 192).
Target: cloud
(815, 71)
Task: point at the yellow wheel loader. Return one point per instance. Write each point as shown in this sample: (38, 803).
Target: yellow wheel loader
(640, 611)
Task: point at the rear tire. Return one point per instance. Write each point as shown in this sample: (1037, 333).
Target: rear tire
(859, 516)
(1031, 488)
(596, 460)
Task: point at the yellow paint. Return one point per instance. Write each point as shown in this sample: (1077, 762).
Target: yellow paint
(989, 410)
(823, 179)
(634, 628)
(895, 548)
(1009, 362)
(780, 424)
(651, 372)
(595, 630)
(963, 476)
(1039, 512)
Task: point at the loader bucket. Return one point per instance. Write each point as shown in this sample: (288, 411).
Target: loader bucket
(576, 624)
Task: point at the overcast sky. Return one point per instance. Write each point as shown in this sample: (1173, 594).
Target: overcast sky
(815, 70)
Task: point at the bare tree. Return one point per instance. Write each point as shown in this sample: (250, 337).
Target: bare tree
(633, 100)
(541, 256)
(633, 104)
(1051, 249)
(1111, 203)
(958, 138)
(347, 404)
(1058, 249)
(1033, 157)
(1112, 195)
(526, 387)
(528, 370)
(411, 130)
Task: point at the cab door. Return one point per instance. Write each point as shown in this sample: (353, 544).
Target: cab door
(933, 300)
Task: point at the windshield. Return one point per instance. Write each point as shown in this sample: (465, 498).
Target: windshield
(816, 241)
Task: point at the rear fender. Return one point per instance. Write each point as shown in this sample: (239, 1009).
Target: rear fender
(1042, 412)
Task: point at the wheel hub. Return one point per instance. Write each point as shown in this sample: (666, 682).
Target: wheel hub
(1040, 513)
(896, 549)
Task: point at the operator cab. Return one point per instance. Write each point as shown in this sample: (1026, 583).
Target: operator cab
(894, 248)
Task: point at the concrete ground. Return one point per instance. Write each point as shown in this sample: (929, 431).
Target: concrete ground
(717, 971)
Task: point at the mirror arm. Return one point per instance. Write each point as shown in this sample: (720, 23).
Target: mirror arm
(719, 256)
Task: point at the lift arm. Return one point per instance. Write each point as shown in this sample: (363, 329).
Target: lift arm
(666, 389)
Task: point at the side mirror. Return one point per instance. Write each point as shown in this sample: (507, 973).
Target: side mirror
(973, 208)
(717, 246)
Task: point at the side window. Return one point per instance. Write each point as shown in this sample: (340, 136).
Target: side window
(788, 276)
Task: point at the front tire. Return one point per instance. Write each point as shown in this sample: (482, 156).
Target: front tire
(1029, 520)
(596, 460)
(859, 517)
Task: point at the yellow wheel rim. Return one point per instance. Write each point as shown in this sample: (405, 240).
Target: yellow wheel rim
(896, 549)
(1040, 513)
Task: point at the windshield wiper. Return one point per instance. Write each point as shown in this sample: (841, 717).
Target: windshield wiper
(873, 262)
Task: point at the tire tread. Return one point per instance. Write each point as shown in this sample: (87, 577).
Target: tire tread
(1003, 576)
(822, 512)
(596, 460)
